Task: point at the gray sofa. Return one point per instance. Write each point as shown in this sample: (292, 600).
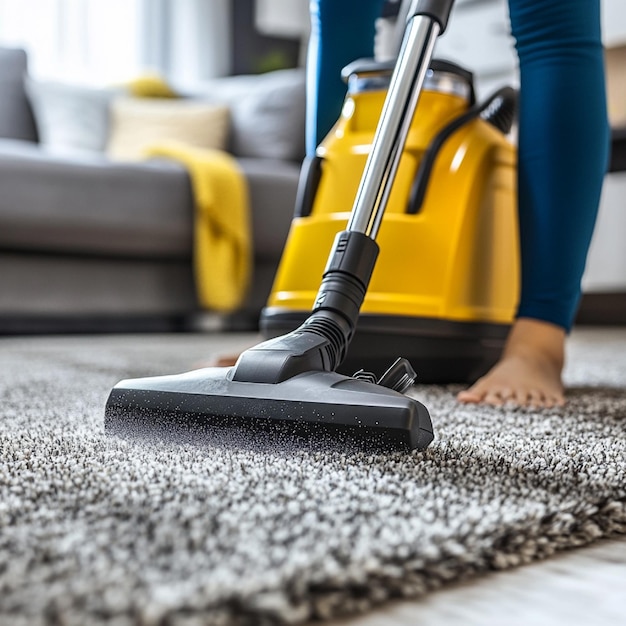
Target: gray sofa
(87, 243)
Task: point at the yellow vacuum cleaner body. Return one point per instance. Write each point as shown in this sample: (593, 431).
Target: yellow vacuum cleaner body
(445, 287)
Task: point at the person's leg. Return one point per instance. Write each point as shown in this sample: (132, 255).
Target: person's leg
(563, 152)
(341, 31)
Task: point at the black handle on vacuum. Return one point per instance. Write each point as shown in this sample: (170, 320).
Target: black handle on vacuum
(438, 10)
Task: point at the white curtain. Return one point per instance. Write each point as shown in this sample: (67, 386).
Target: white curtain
(109, 41)
(92, 41)
(187, 40)
(287, 18)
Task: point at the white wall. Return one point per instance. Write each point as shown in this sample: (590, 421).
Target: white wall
(200, 39)
(606, 263)
(286, 18)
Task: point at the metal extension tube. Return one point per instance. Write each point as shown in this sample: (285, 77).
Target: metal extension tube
(400, 104)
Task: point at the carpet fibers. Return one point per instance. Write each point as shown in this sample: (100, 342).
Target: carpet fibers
(229, 530)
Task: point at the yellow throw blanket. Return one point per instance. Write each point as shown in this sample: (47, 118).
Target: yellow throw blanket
(222, 239)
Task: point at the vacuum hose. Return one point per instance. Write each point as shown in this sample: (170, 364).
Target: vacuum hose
(341, 293)
(499, 110)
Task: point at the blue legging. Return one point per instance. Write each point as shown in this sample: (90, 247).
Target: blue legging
(563, 130)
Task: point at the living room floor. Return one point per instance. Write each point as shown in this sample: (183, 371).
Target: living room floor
(575, 587)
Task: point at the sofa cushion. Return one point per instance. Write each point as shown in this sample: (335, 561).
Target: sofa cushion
(137, 123)
(267, 112)
(16, 118)
(52, 202)
(83, 203)
(70, 116)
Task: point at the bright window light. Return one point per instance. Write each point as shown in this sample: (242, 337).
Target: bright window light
(87, 41)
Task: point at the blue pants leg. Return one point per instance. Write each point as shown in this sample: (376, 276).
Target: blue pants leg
(563, 149)
(341, 31)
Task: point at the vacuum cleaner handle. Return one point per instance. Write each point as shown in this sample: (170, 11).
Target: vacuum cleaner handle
(438, 10)
(407, 8)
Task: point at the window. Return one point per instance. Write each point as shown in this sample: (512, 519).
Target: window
(103, 42)
(91, 41)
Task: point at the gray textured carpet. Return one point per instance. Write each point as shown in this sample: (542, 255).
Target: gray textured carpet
(224, 531)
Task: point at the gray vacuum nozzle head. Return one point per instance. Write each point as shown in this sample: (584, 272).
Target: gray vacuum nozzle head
(308, 404)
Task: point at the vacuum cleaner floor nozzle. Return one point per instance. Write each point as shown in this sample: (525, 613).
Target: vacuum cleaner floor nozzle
(306, 404)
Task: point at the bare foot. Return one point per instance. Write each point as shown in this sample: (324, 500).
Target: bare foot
(529, 371)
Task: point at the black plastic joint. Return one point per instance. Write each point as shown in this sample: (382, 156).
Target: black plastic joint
(354, 253)
(342, 294)
(438, 10)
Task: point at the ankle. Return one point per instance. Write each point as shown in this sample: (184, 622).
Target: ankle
(536, 339)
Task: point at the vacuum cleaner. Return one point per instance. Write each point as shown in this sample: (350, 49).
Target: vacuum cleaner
(445, 287)
(290, 382)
